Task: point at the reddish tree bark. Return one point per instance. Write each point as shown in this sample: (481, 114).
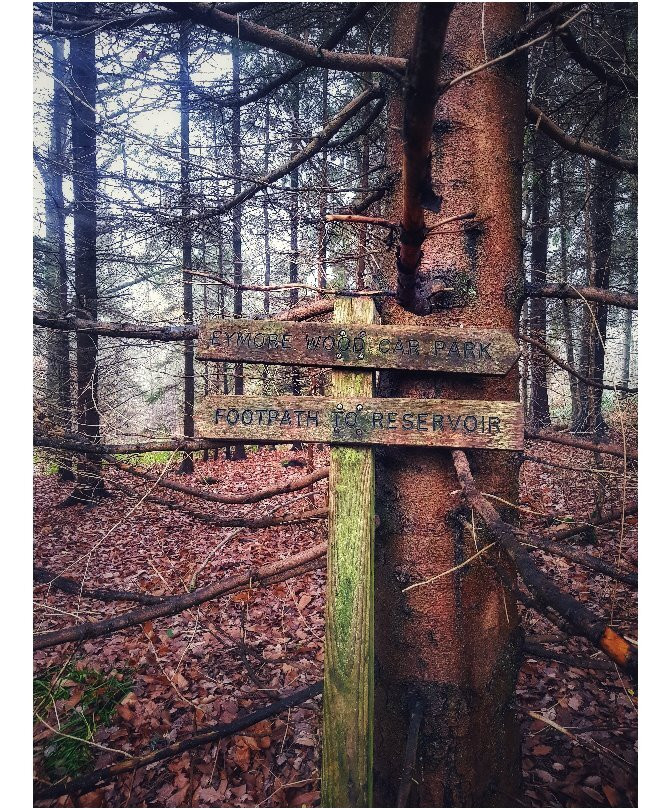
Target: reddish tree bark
(453, 644)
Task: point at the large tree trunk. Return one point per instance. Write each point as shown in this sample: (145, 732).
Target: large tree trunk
(58, 370)
(186, 466)
(539, 408)
(238, 377)
(454, 645)
(89, 485)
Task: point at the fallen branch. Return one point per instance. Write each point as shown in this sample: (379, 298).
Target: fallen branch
(72, 586)
(154, 333)
(532, 649)
(75, 444)
(583, 620)
(288, 487)
(250, 523)
(582, 558)
(588, 743)
(564, 291)
(307, 310)
(575, 145)
(565, 366)
(180, 603)
(41, 575)
(282, 287)
(566, 440)
(564, 531)
(410, 757)
(88, 782)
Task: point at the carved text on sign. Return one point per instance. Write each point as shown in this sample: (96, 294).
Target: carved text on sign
(483, 351)
(404, 421)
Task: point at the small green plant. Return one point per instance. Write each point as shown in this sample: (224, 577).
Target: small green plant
(43, 464)
(145, 459)
(98, 696)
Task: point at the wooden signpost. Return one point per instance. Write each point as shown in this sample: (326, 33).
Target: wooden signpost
(353, 421)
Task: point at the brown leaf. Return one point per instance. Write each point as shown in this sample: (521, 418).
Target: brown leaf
(306, 799)
(612, 796)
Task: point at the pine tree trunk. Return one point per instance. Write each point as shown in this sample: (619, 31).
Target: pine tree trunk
(454, 645)
(238, 377)
(186, 466)
(565, 308)
(539, 408)
(627, 330)
(293, 228)
(58, 370)
(603, 219)
(89, 485)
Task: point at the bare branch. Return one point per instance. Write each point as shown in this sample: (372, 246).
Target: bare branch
(209, 15)
(565, 366)
(595, 67)
(313, 147)
(567, 440)
(564, 291)
(572, 144)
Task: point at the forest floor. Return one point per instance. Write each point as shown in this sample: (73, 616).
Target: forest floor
(165, 679)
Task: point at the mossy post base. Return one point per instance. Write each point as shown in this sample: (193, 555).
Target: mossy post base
(347, 756)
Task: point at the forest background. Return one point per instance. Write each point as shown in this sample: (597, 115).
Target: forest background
(654, 277)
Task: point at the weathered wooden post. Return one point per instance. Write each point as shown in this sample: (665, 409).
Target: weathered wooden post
(352, 421)
(347, 756)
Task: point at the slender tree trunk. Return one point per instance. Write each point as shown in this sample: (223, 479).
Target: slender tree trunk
(236, 149)
(627, 330)
(187, 278)
(58, 371)
(89, 485)
(364, 168)
(266, 230)
(454, 645)
(565, 308)
(323, 197)
(584, 422)
(266, 240)
(293, 227)
(603, 222)
(539, 408)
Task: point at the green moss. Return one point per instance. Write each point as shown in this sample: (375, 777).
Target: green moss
(101, 693)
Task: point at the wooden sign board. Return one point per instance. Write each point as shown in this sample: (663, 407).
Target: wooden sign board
(347, 345)
(391, 421)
